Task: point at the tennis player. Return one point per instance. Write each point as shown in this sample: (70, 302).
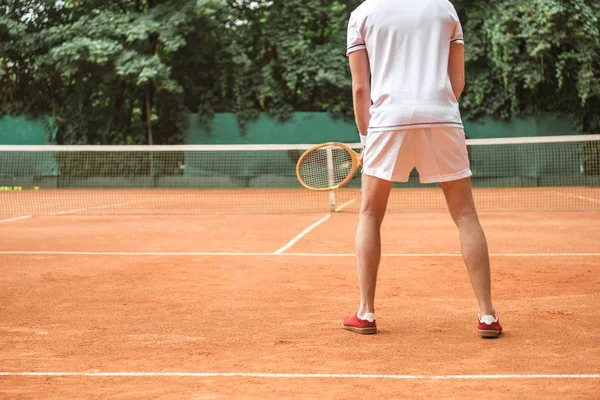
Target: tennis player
(407, 64)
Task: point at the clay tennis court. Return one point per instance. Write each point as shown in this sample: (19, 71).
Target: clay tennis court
(102, 302)
(282, 200)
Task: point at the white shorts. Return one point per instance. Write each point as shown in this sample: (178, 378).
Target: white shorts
(439, 154)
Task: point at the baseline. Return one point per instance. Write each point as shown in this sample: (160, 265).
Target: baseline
(299, 376)
(234, 254)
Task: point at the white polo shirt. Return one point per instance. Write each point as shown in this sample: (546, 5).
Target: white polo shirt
(408, 43)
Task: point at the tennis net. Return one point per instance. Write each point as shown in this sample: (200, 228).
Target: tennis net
(543, 173)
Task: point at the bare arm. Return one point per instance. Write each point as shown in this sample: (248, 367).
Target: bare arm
(456, 68)
(361, 89)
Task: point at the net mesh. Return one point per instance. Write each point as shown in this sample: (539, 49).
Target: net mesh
(555, 173)
(325, 167)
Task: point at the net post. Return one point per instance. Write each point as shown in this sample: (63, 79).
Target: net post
(330, 177)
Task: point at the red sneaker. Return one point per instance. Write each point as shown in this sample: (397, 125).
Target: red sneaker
(363, 326)
(489, 326)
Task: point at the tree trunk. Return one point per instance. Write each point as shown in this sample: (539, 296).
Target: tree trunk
(149, 113)
(153, 41)
(53, 96)
(53, 109)
(150, 139)
(324, 21)
(119, 104)
(10, 85)
(7, 74)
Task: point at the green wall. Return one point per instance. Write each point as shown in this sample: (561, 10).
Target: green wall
(306, 128)
(498, 165)
(20, 130)
(302, 128)
(25, 169)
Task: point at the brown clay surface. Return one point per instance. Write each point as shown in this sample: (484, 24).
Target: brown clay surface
(516, 232)
(157, 233)
(266, 201)
(282, 314)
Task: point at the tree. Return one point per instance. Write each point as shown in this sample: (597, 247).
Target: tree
(525, 57)
(105, 69)
(130, 71)
(281, 57)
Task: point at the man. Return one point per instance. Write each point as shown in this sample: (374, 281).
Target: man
(407, 64)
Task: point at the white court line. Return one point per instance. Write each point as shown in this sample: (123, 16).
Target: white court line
(586, 198)
(94, 208)
(227, 254)
(299, 376)
(302, 234)
(346, 204)
(574, 196)
(4, 221)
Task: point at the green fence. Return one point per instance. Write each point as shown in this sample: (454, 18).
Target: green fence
(29, 169)
(507, 165)
(306, 127)
(493, 165)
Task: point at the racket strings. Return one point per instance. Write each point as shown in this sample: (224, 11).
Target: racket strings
(326, 167)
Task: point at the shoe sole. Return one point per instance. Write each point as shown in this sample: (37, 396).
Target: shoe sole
(362, 331)
(490, 334)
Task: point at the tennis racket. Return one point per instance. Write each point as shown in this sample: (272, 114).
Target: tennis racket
(327, 166)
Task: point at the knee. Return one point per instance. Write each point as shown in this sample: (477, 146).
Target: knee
(372, 210)
(375, 196)
(466, 216)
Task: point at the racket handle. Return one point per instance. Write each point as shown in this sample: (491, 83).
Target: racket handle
(332, 200)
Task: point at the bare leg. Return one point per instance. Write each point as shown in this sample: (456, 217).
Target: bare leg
(473, 242)
(375, 194)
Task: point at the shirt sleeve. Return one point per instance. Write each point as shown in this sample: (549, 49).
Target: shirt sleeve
(457, 35)
(356, 39)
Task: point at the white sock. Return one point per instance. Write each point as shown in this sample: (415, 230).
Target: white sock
(367, 317)
(488, 319)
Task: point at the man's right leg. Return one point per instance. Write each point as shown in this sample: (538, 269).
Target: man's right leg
(473, 242)
(368, 238)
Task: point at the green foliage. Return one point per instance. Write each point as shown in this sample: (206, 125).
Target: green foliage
(97, 67)
(528, 56)
(122, 72)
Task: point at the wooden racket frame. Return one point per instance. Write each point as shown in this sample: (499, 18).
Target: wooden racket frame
(356, 164)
